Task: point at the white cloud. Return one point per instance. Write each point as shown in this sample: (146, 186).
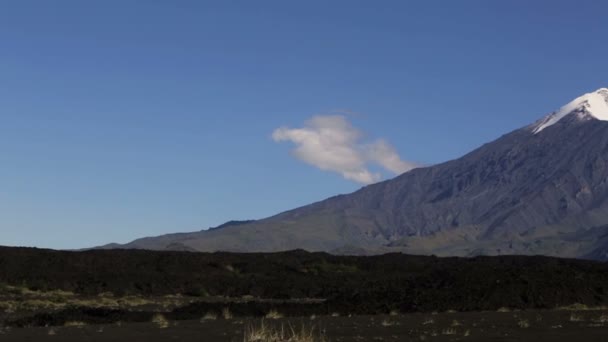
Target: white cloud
(331, 143)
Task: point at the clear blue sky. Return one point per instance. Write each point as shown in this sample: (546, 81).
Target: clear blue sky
(121, 119)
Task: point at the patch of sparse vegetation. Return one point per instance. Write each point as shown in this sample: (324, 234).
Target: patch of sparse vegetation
(266, 333)
(602, 319)
(581, 307)
(523, 323)
(576, 317)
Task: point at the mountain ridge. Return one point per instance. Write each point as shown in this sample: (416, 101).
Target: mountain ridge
(530, 191)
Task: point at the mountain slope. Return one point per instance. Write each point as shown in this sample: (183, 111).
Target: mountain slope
(541, 189)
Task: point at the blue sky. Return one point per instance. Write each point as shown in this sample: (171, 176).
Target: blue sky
(122, 119)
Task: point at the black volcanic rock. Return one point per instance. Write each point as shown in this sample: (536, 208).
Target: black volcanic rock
(344, 284)
(542, 189)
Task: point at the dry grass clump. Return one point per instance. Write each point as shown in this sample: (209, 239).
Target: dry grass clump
(428, 321)
(226, 313)
(74, 324)
(575, 317)
(160, 320)
(28, 300)
(132, 301)
(448, 331)
(8, 306)
(503, 309)
(581, 307)
(266, 333)
(523, 323)
(24, 291)
(388, 323)
(209, 316)
(602, 319)
(274, 314)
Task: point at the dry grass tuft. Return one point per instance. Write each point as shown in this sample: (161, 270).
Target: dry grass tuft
(226, 313)
(428, 321)
(448, 331)
(266, 333)
(209, 316)
(160, 320)
(576, 317)
(388, 323)
(273, 314)
(74, 324)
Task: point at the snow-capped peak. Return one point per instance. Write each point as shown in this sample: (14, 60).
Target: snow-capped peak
(593, 105)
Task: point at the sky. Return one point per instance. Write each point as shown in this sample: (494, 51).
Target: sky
(124, 119)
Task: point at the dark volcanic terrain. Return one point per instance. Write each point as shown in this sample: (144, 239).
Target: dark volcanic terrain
(122, 295)
(554, 326)
(297, 283)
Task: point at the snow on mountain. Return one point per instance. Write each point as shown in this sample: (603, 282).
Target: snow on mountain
(593, 104)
